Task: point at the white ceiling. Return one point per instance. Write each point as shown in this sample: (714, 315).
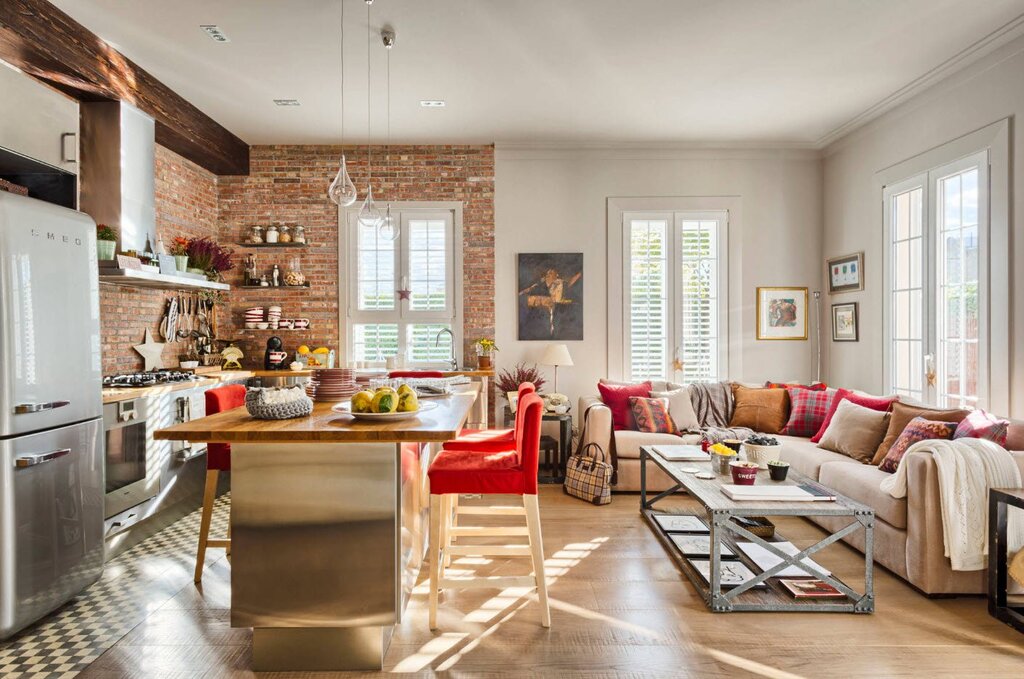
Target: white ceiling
(572, 71)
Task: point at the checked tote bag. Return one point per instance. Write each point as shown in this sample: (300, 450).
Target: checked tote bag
(588, 475)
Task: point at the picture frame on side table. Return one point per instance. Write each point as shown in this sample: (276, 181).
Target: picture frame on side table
(781, 313)
(845, 326)
(846, 273)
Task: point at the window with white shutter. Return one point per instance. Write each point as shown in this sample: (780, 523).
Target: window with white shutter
(674, 301)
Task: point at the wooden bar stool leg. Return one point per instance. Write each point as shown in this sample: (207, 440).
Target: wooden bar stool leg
(209, 495)
(436, 508)
(537, 553)
(446, 531)
(454, 500)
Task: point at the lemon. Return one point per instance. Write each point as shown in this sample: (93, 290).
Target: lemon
(406, 389)
(408, 403)
(321, 350)
(387, 389)
(385, 402)
(303, 350)
(362, 402)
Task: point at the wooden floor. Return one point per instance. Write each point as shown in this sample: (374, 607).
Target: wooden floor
(619, 609)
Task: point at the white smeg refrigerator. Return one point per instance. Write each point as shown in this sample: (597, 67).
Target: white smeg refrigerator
(51, 449)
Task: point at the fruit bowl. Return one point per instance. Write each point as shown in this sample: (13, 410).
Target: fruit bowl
(346, 409)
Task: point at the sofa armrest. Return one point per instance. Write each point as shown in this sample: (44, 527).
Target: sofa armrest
(597, 422)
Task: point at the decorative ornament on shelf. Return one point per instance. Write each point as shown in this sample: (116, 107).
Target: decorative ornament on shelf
(152, 352)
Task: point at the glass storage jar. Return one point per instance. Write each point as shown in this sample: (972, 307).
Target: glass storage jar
(285, 235)
(299, 234)
(272, 234)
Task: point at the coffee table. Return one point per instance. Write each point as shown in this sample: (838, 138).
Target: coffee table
(763, 592)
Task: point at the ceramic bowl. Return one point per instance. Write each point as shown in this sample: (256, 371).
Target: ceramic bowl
(263, 326)
(743, 473)
(251, 325)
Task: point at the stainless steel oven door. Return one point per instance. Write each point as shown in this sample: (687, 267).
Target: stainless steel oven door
(125, 470)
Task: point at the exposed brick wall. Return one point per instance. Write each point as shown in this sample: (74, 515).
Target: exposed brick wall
(288, 185)
(186, 205)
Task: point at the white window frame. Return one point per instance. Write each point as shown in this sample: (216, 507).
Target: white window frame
(727, 210)
(402, 315)
(987, 148)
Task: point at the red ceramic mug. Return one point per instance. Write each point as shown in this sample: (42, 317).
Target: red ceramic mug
(743, 473)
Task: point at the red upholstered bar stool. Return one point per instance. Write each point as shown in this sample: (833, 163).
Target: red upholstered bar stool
(510, 472)
(218, 459)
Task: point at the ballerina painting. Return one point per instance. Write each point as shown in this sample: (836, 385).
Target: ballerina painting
(551, 296)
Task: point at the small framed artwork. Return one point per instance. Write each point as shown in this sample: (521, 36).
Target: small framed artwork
(846, 273)
(681, 523)
(844, 323)
(782, 313)
(698, 546)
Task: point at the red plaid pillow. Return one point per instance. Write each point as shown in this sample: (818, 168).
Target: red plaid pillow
(808, 409)
(981, 425)
(651, 415)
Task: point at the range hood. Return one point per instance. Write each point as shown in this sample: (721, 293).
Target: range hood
(117, 188)
(118, 168)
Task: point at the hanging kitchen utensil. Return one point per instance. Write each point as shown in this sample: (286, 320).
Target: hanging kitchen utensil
(170, 331)
(185, 330)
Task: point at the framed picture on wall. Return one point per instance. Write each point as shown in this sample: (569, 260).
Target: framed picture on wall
(782, 313)
(550, 296)
(846, 273)
(844, 323)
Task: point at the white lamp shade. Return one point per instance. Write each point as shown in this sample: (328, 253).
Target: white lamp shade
(556, 354)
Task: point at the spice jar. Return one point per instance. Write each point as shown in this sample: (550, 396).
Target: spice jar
(256, 235)
(285, 235)
(299, 235)
(272, 234)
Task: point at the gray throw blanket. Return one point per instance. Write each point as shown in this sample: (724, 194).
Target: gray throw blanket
(713, 404)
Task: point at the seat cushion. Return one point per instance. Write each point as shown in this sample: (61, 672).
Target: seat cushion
(485, 440)
(218, 400)
(861, 482)
(627, 443)
(464, 471)
(807, 458)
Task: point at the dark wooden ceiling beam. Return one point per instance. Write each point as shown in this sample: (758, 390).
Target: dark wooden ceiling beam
(46, 43)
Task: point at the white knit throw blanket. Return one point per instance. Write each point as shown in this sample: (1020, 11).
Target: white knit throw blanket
(967, 468)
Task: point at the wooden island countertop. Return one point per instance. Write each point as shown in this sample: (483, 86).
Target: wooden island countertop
(326, 426)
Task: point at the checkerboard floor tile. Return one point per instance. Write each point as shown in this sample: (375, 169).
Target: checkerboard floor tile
(133, 584)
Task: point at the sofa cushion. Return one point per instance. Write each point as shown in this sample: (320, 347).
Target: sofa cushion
(816, 386)
(855, 431)
(616, 397)
(651, 415)
(627, 443)
(763, 410)
(902, 414)
(680, 407)
(807, 410)
(981, 425)
(805, 457)
(880, 403)
(862, 482)
(919, 429)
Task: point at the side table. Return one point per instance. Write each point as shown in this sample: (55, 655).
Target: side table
(999, 500)
(552, 468)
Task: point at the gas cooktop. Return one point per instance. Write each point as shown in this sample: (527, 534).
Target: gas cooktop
(147, 379)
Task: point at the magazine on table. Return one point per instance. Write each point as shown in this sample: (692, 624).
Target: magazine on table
(731, 573)
(682, 453)
(681, 523)
(811, 588)
(699, 546)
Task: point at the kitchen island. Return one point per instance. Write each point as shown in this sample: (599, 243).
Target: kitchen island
(329, 522)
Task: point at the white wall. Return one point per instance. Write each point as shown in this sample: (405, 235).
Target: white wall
(554, 200)
(983, 93)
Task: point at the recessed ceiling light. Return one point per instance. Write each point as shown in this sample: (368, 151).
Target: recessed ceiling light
(215, 33)
(432, 103)
(287, 102)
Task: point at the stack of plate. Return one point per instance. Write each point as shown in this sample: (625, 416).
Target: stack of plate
(332, 384)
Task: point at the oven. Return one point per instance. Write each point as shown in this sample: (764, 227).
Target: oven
(125, 429)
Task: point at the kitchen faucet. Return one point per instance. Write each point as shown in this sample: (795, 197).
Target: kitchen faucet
(437, 343)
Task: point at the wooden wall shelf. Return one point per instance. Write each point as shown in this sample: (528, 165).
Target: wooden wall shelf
(271, 246)
(304, 286)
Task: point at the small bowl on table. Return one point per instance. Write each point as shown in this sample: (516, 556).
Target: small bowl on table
(743, 473)
(778, 470)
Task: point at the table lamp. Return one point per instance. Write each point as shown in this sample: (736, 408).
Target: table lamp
(556, 355)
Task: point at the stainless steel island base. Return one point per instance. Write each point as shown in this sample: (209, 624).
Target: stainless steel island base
(327, 539)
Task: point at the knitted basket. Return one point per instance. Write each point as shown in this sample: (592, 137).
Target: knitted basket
(298, 405)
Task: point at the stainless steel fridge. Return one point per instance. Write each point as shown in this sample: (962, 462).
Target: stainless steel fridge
(51, 449)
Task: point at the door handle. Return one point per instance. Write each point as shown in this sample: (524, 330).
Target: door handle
(39, 458)
(23, 408)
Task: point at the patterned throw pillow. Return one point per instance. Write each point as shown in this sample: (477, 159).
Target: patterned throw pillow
(981, 425)
(807, 410)
(919, 429)
(651, 415)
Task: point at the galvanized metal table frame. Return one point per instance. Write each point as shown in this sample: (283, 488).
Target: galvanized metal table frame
(719, 515)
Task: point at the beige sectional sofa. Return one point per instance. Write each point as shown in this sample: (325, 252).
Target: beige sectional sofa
(908, 532)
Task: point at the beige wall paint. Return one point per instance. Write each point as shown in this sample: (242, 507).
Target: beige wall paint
(987, 91)
(555, 200)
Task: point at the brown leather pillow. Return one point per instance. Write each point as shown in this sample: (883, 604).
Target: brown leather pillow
(763, 410)
(902, 414)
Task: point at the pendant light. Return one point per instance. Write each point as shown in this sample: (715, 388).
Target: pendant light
(369, 214)
(342, 190)
(388, 229)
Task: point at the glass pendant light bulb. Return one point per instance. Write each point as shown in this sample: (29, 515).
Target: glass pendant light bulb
(369, 215)
(388, 228)
(342, 190)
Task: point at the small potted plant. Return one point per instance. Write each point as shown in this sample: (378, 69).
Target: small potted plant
(485, 349)
(509, 380)
(106, 242)
(208, 257)
(179, 248)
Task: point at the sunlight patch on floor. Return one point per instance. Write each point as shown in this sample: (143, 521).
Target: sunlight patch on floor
(751, 666)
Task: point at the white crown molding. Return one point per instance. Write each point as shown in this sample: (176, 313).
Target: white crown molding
(971, 54)
(667, 151)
